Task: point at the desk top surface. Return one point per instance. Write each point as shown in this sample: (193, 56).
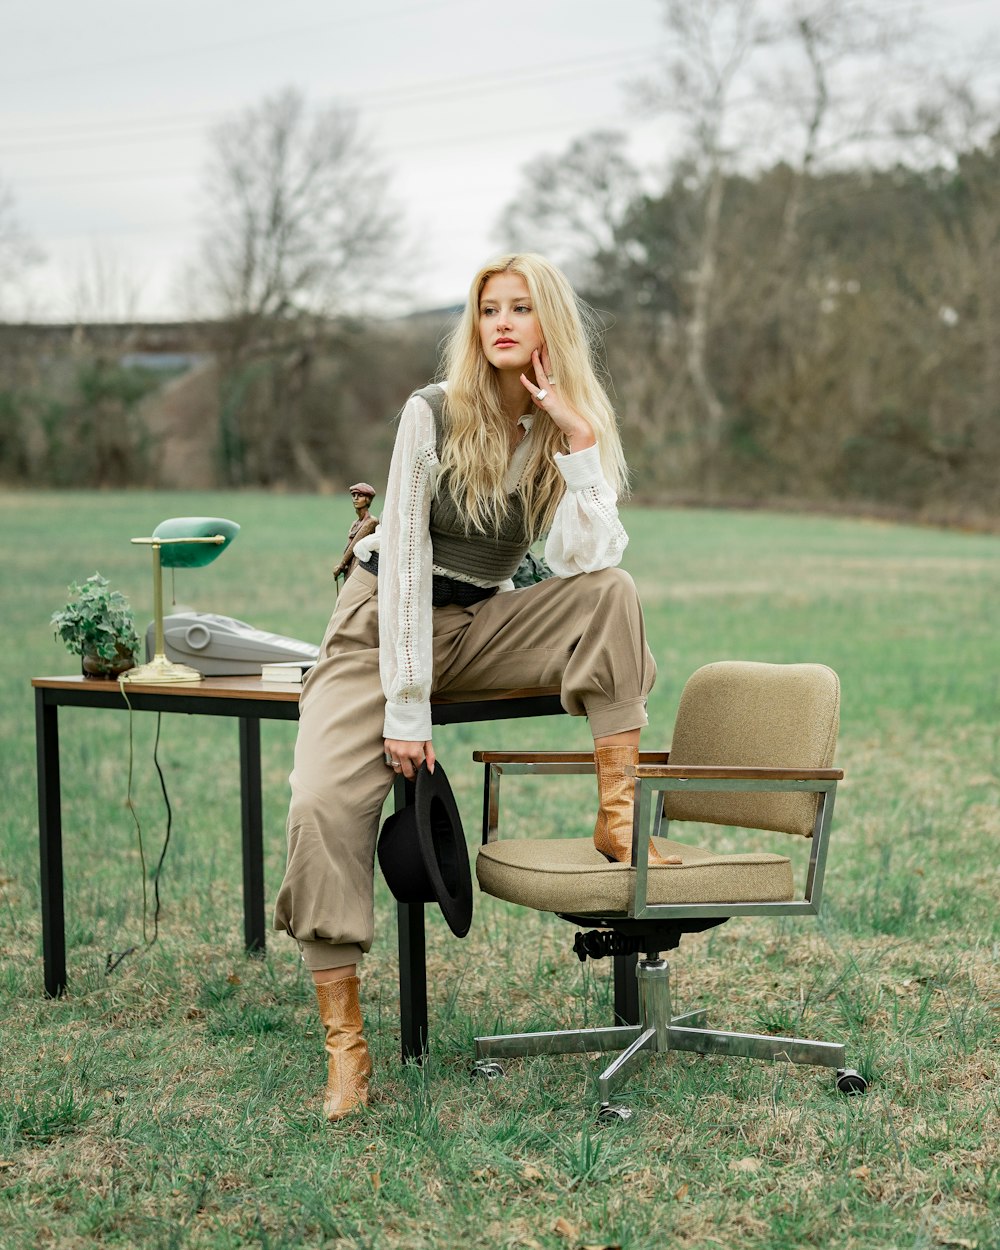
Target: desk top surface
(254, 688)
(210, 687)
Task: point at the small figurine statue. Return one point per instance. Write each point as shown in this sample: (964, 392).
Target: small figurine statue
(361, 495)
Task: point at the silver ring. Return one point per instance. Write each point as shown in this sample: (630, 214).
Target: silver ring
(551, 381)
(540, 395)
(396, 764)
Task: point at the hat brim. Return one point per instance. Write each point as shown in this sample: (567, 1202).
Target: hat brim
(443, 848)
(423, 854)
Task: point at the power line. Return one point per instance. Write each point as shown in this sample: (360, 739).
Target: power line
(136, 131)
(472, 137)
(408, 10)
(576, 123)
(165, 126)
(408, 91)
(174, 227)
(378, 98)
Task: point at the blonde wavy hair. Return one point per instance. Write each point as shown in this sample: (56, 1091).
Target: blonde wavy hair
(475, 447)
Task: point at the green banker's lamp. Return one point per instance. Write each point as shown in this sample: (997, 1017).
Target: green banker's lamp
(182, 542)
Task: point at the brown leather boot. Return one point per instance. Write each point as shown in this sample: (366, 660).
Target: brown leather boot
(616, 795)
(350, 1065)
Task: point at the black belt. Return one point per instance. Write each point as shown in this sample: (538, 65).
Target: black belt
(444, 590)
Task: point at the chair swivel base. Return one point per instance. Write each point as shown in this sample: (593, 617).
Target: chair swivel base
(658, 1030)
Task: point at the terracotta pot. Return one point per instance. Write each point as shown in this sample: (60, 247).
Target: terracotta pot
(98, 666)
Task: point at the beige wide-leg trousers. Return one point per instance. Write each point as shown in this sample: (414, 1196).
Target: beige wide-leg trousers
(584, 634)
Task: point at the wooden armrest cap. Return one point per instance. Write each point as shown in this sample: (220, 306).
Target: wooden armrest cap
(724, 772)
(652, 758)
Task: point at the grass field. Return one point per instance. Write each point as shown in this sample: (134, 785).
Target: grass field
(174, 1103)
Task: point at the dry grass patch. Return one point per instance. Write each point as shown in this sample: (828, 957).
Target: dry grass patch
(175, 1103)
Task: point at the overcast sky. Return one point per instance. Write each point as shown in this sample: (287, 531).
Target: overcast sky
(105, 109)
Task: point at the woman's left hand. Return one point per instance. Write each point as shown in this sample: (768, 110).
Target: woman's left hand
(544, 390)
(406, 757)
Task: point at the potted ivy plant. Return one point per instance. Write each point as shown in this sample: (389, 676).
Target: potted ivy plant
(97, 624)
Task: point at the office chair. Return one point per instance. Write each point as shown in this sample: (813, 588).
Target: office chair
(753, 747)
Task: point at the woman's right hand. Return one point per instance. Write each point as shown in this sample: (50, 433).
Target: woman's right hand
(405, 758)
(544, 390)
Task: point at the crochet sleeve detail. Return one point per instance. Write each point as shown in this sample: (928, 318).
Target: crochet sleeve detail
(587, 533)
(406, 636)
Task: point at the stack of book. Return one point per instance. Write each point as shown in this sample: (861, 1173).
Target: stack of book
(291, 672)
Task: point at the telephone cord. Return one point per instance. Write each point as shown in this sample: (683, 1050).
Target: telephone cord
(115, 958)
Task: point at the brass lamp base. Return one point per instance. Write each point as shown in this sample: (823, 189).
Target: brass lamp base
(162, 672)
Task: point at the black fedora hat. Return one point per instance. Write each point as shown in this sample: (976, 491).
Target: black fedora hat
(422, 851)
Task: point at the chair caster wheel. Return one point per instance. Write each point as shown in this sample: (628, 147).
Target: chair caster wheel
(850, 1082)
(486, 1070)
(613, 1115)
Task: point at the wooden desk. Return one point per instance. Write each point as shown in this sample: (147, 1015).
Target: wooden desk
(250, 701)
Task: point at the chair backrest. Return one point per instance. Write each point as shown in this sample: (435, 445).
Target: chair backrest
(761, 715)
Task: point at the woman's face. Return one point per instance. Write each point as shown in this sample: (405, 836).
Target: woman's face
(508, 328)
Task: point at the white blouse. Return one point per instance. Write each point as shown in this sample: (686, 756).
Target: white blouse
(586, 535)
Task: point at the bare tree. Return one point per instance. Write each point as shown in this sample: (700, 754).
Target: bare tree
(103, 288)
(711, 42)
(17, 251)
(300, 218)
(571, 207)
(828, 93)
(954, 114)
(752, 84)
(302, 229)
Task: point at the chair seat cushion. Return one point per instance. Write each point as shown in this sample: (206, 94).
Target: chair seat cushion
(571, 875)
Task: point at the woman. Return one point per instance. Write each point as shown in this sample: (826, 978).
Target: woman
(520, 441)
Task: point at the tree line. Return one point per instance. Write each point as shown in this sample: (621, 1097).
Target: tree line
(802, 304)
(857, 361)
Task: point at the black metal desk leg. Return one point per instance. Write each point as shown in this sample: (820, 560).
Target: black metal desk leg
(253, 837)
(412, 980)
(412, 960)
(50, 846)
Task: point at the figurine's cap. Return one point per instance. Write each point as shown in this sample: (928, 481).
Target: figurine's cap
(363, 488)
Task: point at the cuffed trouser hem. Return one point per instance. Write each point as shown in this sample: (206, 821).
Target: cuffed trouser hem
(618, 718)
(319, 956)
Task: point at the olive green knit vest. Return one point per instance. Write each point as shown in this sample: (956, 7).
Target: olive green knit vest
(491, 557)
